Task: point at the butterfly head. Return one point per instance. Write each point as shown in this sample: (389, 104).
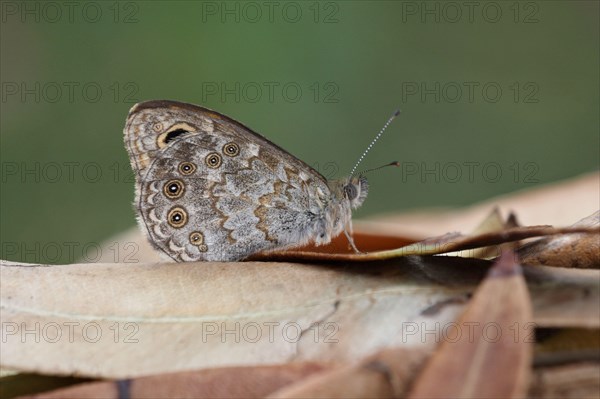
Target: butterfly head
(355, 190)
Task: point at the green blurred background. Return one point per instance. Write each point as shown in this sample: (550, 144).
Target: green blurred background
(317, 78)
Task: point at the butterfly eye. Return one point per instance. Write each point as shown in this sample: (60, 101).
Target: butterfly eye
(187, 168)
(213, 160)
(174, 189)
(351, 191)
(231, 149)
(177, 217)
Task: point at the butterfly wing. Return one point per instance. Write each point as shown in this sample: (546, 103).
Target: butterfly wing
(209, 188)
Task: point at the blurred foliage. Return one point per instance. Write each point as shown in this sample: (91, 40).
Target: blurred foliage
(70, 72)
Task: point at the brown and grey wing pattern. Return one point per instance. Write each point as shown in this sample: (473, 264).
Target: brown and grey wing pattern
(212, 192)
(150, 123)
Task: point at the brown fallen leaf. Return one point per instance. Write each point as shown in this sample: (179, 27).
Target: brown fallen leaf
(564, 297)
(475, 361)
(448, 243)
(386, 374)
(232, 382)
(578, 380)
(113, 321)
(492, 222)
(573, 250)
(120, 321)
(572, 381)
(19, 384)
(367, 382)
(559, 346)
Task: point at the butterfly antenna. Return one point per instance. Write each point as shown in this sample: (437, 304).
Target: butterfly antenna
(374, 141)
(394, 163)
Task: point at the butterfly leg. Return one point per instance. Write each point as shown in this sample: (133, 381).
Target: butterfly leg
(351, 241)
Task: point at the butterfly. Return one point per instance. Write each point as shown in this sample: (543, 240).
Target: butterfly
(209, 188)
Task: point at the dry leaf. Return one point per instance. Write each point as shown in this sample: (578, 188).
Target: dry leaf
(187, 316)
(564, 297)
(493, 222)
(172, 317)
(559, 346)
(23, 384)
(573, 250)
(487, 353)
(383, 375)
(448, 243)
(576, 381)
(234, 382)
